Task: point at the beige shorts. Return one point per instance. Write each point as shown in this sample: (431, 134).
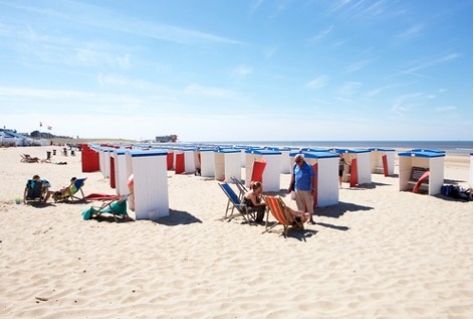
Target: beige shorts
(304, 201)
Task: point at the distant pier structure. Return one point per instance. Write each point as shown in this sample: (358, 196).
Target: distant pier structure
(166, 139)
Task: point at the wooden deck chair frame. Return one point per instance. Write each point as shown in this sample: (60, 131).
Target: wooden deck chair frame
(72, 191)
(235, 203)
(26, 158)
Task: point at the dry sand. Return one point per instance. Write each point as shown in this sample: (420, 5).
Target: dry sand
(380, 253)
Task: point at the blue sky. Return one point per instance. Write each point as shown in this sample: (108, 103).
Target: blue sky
(239, 70)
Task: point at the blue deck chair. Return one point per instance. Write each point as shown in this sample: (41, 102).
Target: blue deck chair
(71, 194)
(35, 191)
(116, 208)
(234, 203)
(240, 186)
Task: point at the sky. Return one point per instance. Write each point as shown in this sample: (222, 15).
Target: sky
(243, 70)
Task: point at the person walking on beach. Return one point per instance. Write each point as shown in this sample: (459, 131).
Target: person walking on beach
(303, 182)
(342, 162)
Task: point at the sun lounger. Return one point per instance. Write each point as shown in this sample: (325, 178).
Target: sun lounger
(280, 212)
(116, 208)
(235, 203)
(35, 191)
(71, 192)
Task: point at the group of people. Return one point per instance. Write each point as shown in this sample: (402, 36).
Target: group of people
(63, 191)
(303, 183)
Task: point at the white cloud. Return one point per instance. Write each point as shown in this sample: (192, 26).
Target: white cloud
(318, 82)
(410, 33)
(241, 71)
(321, 35)
(195, 89)
(446, 108)
(357, 66)
(349, 88)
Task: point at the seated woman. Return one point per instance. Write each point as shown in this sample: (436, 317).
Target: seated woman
(65, 190)
(299, 218)
(253, 200)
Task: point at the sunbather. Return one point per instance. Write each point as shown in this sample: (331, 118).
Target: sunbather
(66, 189)
(298, 216)
(252, 199)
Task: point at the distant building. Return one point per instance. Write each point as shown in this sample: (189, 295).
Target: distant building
(166, 139)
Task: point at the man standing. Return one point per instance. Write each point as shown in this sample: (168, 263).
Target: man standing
(303, 180)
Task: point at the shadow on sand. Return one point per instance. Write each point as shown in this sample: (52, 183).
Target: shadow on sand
(178, 217)
(340, 209)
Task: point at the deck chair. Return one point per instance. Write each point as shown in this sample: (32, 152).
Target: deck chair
(35, 191)
(235, 203)
(280, 212)
(26, 158)
(240, 186)
(116, 208)
(71, 193)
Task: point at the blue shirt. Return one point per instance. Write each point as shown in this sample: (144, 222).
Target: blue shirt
(303, 177)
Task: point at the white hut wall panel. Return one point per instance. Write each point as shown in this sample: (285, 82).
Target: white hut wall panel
(271, 174)
(189, 166)
(376, 162)
(232, 166)
(102, 162)
(285, 162)
(121, 176)
(470, 172)
(207, 164)
(243, 158)
(328, 181)
(364, 174)
(150, 187)
(219, 166)
(436, 178)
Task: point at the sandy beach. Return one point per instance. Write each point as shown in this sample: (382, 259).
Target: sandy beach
(380, 253)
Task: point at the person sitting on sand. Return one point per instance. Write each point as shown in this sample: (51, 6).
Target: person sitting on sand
(253, 200)
(47, 185)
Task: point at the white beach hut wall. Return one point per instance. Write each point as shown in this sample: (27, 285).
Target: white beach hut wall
(285, 160)
(150, 196)
(433, 161)
(207, 162)
(271, 173)
(470, 171)
(327, 178)
(120, 168)
(227, 164)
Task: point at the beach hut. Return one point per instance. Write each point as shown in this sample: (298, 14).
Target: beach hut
(413, 167)
(470, 171)
(89, 159)
(150, 183)
(227, 164)
(382, 160)
(326, 166)
(120, 171)
(285, 159)
(359, 171)
(207, 162)
(104, 160)
(184, 160)
(271, 172)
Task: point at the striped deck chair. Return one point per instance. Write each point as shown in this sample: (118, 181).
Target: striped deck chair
(71, 193)
(280, 212)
